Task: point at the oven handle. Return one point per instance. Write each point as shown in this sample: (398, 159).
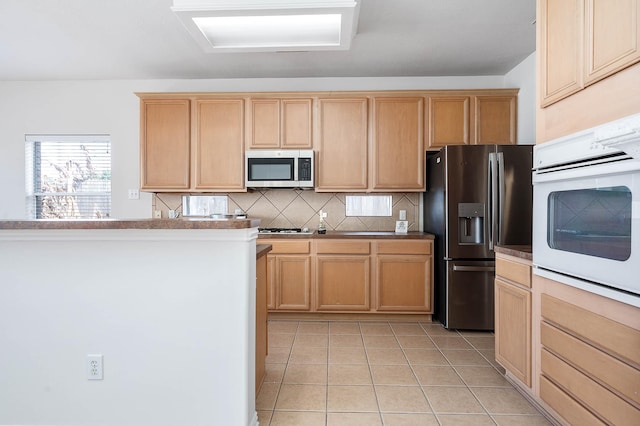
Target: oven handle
(462, 268)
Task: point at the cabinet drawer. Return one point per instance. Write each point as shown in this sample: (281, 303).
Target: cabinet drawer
(514, 271)
(288, 247)
(342, 247)
(611, 336)
(615, 374)
(563, 404)
(404, 247)
(601, 401)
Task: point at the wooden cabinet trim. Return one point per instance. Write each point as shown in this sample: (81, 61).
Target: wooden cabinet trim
(404, 247)
(289, 247)
(565, 406)
(516, 272)
(343, 247)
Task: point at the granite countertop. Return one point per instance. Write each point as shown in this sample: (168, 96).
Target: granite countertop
(415, 235)
(523, 252)
(262, 249)
(129, 224)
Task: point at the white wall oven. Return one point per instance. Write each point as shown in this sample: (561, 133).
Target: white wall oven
(586, 210)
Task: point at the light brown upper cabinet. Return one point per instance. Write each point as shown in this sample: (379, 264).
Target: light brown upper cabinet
(164, 144)
(495, 120)
(449, 121)
(398, 144)
(342, 144)
(218, 154)
(584, 41)
(279, 123)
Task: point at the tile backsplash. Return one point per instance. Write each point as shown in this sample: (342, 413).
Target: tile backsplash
(294, 208)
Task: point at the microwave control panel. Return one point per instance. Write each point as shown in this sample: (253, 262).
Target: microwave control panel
(304, 169)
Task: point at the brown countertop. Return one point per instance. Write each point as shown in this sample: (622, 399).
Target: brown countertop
(523, 252)
(352, 235)
(129, 224)
(262, 249)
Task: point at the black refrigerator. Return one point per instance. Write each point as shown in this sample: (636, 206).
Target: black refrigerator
(476, 197)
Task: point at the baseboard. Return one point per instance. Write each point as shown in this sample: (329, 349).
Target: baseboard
(321, 316)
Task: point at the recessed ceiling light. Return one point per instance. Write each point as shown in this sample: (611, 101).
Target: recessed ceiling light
(269, 25)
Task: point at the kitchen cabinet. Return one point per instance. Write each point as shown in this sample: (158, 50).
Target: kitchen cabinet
(404, 276)
(589, 363)
(289, 273)
(449, 121)
(261, 319)
(398, 144)
(218, 149)
(513, 316)
(165, 138)
(495, 120)
(583, 41)
(342, 144)
(342, 275)
(280, 123)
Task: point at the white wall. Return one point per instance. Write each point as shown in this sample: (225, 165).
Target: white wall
(111, 107)
(523, 76)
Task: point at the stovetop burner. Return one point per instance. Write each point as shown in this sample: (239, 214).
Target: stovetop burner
(280, 230)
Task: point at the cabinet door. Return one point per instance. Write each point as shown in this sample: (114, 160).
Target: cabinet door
(560, 41)
(342, 283)
(495, 120)
(164, 144)
(261, 319)
(449, 120)
(271, 281)
(612, 30)
(219, 150)
(342, 145)
(513, 329)
(398, 144)
(404, 283)
(293, 278)
(264, 123)
(296, 128)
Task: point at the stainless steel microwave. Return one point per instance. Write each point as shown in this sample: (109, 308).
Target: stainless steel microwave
(279, 169)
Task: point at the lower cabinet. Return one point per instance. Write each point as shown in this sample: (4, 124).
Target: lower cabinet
(289, 275)
(261, 319)
(513, 316)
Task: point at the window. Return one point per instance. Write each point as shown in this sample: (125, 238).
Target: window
(68, 177)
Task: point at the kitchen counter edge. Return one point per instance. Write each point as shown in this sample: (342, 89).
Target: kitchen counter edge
(262, 249)
(521, 251)
(128, 224)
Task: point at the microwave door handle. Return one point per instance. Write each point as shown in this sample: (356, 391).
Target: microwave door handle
(501, 197)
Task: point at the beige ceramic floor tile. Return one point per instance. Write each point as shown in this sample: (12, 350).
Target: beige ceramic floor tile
(436, 329)
(297, 418)
(313, 328)
(451, 342)
(349, 374)
(308, 355)
(378, 329)
(490, 356)
(464, 357)
(393, 375)
(402, 399)
(379, 356)
(351, 399)
(274, 372)
(453, 400)
(385, 342)
(302, 397)
(522, 420)
(471, 333)
(482, 342)
(415, 342)
(425, 356)
(403, 329)
(503, 401)
(346, 340)
(264, 417)
(311, 340)
(281, 340)
(344, 328)
(413, 419)
(306, 374)
(278, 355)
(283, 326)
(465, 420)
(347, 355)
(353, 419)
(481, 376)
(431, 375)
(266, 398)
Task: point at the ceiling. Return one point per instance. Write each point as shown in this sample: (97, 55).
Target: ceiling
(142, 39)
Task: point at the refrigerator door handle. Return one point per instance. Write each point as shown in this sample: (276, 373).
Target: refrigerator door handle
(461, 268)
(492, 189)
(501, 197)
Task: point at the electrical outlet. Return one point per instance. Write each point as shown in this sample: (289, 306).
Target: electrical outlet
(94, 367)
(324, 214)
(403, 215)
(134, 194)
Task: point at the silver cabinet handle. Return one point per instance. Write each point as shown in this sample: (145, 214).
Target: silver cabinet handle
(458, 268)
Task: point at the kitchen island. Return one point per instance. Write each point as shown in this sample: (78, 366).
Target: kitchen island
(169, 304)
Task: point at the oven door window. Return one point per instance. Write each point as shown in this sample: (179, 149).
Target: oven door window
(593, 221)
(271, 169)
